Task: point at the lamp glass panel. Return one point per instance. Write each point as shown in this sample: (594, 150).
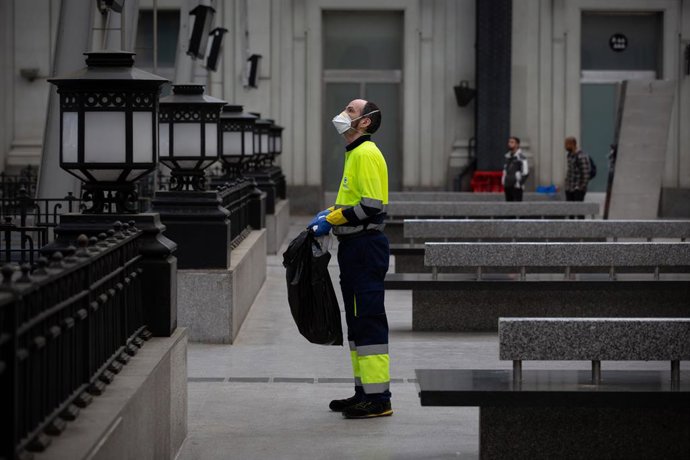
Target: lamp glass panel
(164, 140)
(279, 144)
(136, 174)
(232, 143)
(104, 137)
(142, 137)
(70, 137)
(248, 143)
(188, 164)
(211, 140)
(79, 174)
(187, 140)
(265, 139)
(106, 175)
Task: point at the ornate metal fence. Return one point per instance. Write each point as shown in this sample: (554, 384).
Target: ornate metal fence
(27, 223)
(66, 328)
(236, 198)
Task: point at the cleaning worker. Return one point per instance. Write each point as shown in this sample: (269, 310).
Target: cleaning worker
(357, 220)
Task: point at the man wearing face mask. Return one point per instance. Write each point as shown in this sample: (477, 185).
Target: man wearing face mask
(357, 219)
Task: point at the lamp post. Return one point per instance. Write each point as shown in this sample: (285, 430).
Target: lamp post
(274, 170)
(262, 139)
(237, 138)
(108, 126)
(204, 222)
(109, 140)
(189, 135)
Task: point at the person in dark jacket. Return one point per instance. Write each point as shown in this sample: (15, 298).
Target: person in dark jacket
(515, 171)
(577, 175)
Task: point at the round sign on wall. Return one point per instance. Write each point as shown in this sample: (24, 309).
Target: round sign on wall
(618, 42)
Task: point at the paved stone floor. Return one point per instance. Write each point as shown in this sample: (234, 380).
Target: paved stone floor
(266, 396)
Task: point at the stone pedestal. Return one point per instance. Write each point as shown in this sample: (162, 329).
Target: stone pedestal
(198, 223)
(213, 303)
(265, 183)
(277, 226)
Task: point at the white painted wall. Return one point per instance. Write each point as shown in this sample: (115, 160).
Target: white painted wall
(439, 52)
(33, 31)
(546, 79)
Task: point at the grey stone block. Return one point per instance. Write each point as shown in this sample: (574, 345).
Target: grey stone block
(534, 229)
(643, 339)
(583, 432)
(492, 209)
(214, 303)
(329, 197)
(277, 226)
(558, 254)
(138, 416)
(478, 309)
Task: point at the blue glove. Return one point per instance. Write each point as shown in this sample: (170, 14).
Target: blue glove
(315, 220)
(321, 227)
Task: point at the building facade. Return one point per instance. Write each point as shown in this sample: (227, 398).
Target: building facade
(568, 59)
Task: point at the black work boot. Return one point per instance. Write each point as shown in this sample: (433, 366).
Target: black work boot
(339, 405)
(369, 409)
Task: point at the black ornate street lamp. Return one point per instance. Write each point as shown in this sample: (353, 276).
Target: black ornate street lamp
(237, 138)
(262, 139)
(109, 128)
(276, 140)
(189, 135)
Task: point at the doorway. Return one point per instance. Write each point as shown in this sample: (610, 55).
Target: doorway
(363, 58)
(615, 47)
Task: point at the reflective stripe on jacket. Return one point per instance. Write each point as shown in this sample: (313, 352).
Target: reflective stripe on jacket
(363, 193)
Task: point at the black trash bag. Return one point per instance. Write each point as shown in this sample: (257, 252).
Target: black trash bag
(312, 299)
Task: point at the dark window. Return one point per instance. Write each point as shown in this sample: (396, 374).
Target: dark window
(168, 30)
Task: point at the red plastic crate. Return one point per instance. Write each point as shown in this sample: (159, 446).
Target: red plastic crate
(486, 181)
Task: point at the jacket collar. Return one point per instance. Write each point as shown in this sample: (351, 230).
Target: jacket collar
(518, 152)
(357, 142)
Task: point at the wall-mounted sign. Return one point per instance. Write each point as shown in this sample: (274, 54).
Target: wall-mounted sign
(618, 42)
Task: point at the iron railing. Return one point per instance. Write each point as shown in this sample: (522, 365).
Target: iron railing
(236, 198)
(10, 184)
(66, 328)
(27, 223)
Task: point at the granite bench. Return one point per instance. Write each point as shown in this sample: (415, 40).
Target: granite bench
(570, 413)
(329, 197)
(401, 210)
(410, 256)
(637, 279)
(595, 340)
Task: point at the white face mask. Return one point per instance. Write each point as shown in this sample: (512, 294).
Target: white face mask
(343, 123)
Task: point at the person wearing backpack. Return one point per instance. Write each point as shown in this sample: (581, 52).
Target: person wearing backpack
(515, 171)
(579, 171)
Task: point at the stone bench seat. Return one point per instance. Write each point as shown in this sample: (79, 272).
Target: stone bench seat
(329, 197)
(594, 339)
(401, 210)
(492, 209)
(552, 230)
(560, 255)
(571, 413)
(619, 280)
(410, 254)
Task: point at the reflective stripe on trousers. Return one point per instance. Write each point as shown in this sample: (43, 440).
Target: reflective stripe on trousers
(363, 264)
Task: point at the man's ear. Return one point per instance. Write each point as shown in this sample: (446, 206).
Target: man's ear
(364, 123)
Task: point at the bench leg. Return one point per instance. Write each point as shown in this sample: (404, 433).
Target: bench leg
(675, 372)
(517, 371)
(596, 372)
